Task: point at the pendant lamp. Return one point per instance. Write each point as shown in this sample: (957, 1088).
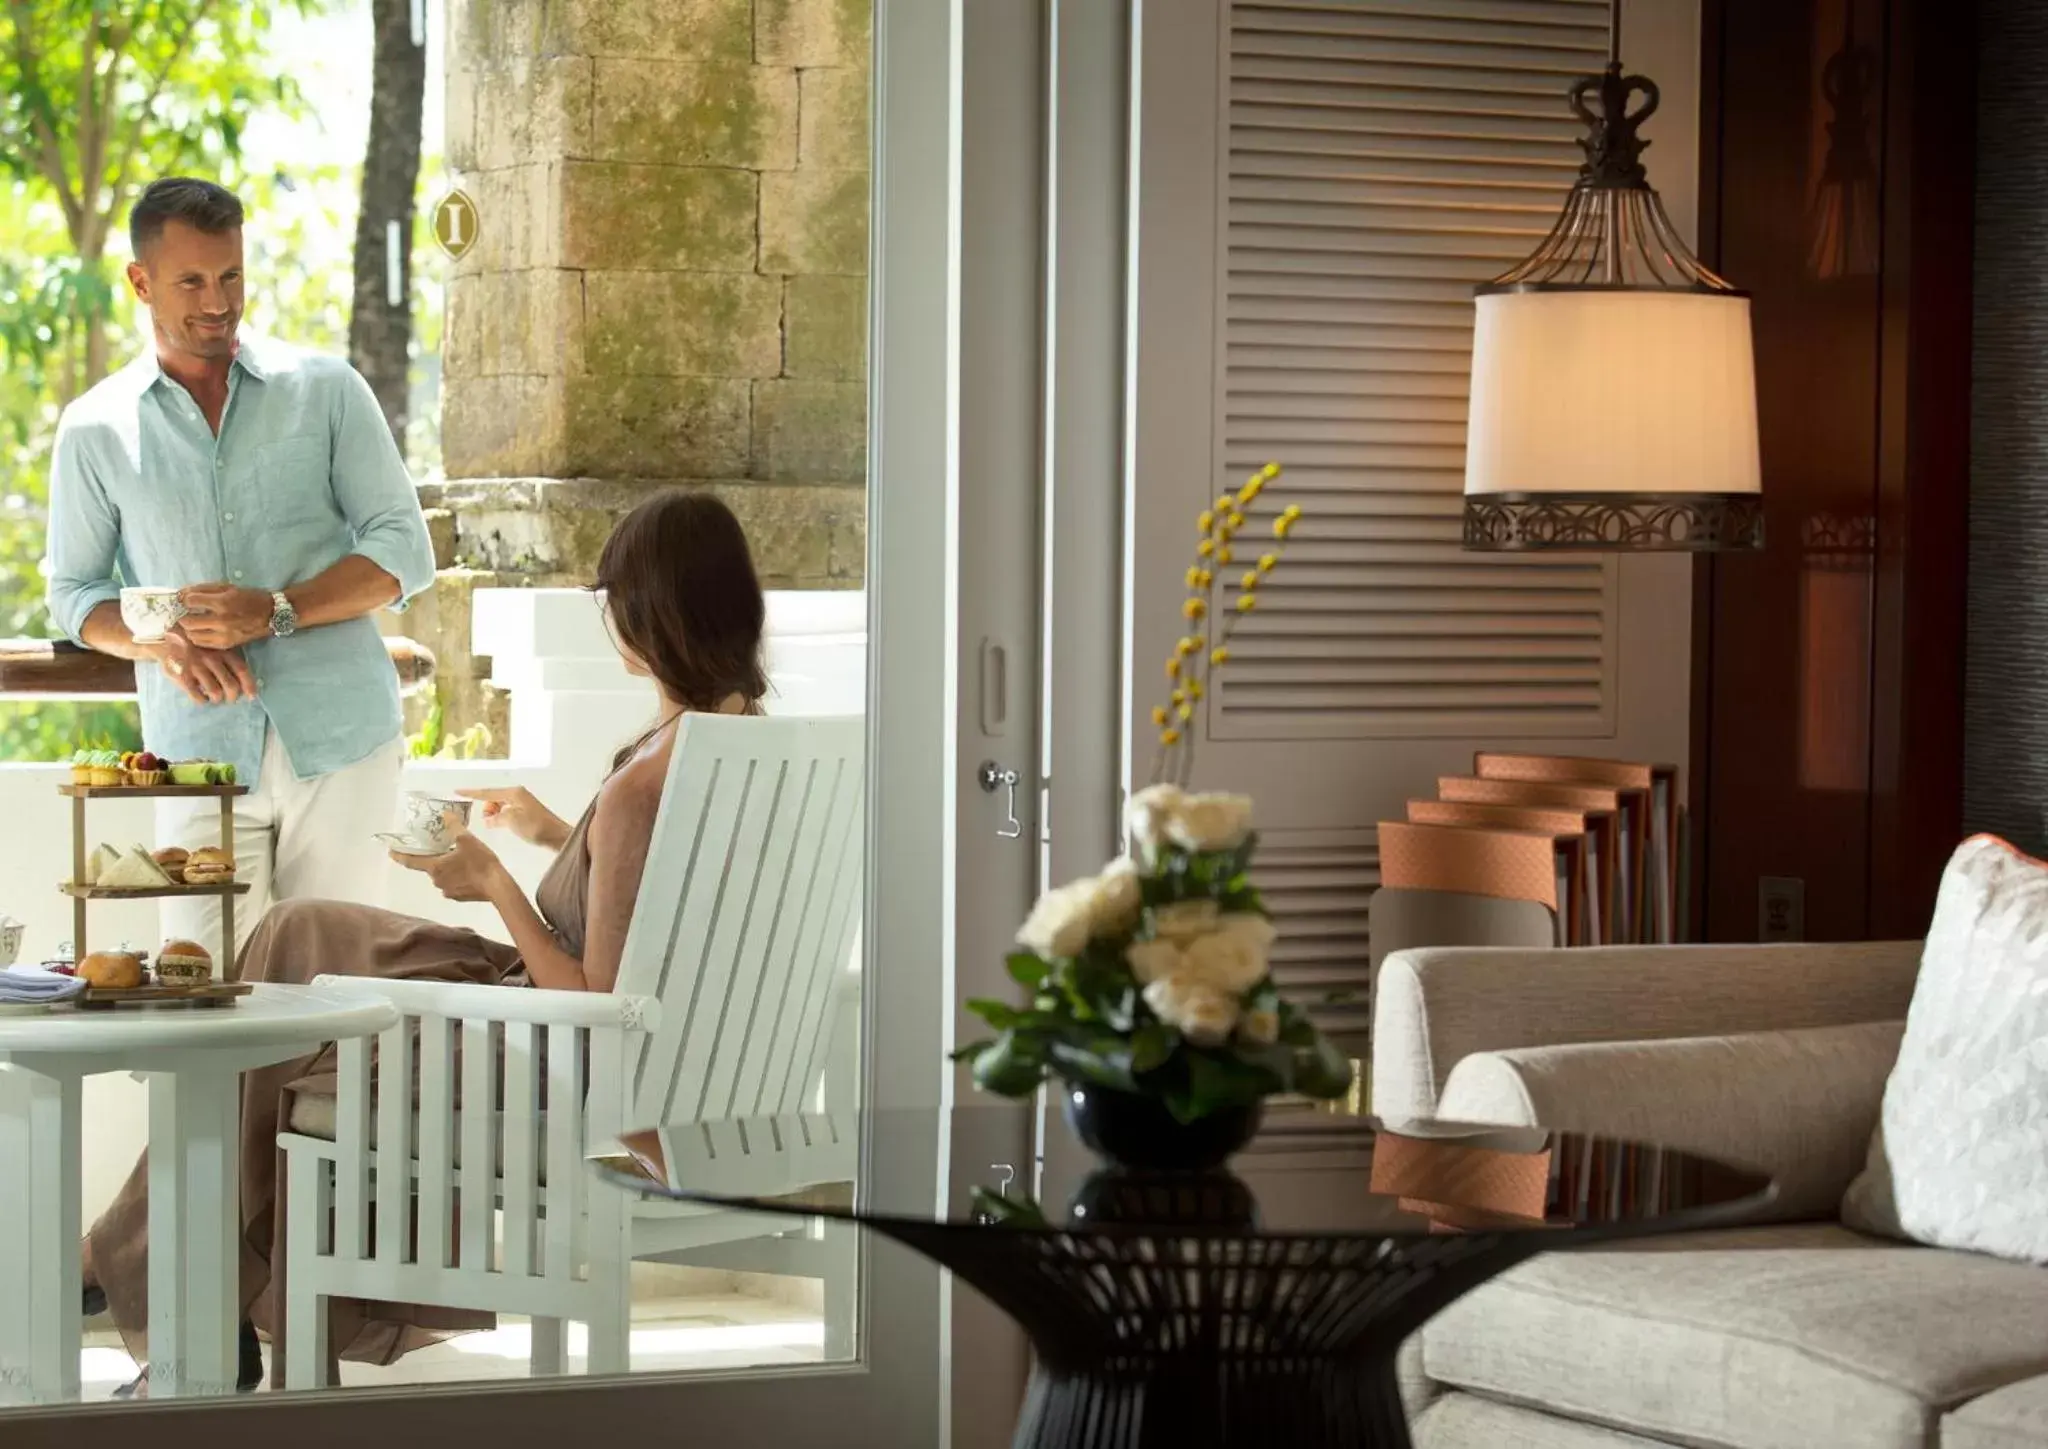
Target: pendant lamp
(1613, 382)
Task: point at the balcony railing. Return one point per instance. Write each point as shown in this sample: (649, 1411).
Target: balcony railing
(59, 669)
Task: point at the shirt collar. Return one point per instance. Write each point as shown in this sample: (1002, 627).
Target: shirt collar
(250, 354)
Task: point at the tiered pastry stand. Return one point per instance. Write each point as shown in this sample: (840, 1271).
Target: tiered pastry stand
(83, 895)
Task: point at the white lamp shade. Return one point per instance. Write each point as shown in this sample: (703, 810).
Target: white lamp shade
(1624, 392)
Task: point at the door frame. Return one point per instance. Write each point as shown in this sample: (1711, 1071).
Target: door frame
(895, 1395)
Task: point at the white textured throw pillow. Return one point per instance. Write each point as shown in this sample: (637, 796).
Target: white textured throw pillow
(1960, 1157)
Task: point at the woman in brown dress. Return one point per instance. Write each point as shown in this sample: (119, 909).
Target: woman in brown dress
(684, 607)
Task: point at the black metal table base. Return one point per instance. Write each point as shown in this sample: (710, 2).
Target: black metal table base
(1313, 1404)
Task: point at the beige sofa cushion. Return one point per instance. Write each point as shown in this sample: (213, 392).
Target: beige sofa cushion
(2015, 1417)
(1799, 1105)
(1467, 1421)
(1961, 1156)
(1754, 1338)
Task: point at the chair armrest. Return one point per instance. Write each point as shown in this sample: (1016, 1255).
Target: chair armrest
(470, 1002)
(1435, 1007)
(1800, 1105)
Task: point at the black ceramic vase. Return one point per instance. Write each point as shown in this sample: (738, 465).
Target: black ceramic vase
(1133, 1131)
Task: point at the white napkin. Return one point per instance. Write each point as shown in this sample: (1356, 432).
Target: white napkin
(21, 984)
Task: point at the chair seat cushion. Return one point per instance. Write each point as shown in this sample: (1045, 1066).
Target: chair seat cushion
(2014, 1417)
(1754, 1338)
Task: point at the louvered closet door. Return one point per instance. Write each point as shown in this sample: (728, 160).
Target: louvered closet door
(1320, 184)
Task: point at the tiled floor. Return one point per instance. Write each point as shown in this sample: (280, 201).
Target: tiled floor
(711, 1326)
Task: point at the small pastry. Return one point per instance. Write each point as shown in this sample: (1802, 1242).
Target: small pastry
(145, 769)
(96, 863)
(171, 860)
(111, 970)
(184, 963)
(106, 768)
(192, 772)
(209, 865)
(81, 767)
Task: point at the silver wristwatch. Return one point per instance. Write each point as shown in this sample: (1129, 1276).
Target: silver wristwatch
(284, 619)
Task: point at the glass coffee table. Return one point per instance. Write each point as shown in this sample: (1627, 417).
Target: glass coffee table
(1220, 1309)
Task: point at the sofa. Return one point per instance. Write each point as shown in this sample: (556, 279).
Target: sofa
(1788, 1331)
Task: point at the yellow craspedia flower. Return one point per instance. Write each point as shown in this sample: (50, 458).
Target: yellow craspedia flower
(1236, 521)
(1187, 712)
(1205, 520)
(1206, 547)
(1247, 602)
(1270, 472)
(1219, 655)
(1250, 581)
(1194, 576)
(1187, 646)
(1180, 696)
(1224, 555)
(1194, 688)
(1169, 737)
(1159, 715)
(1207, 578)
(1173, 667)
(1267, 561)
(1253, 487)
(1284, 524)
(1194, 609)
(1224, 500)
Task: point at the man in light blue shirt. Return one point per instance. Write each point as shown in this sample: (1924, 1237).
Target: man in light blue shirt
(261, 481)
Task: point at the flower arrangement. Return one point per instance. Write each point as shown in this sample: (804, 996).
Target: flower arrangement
(1152, 978)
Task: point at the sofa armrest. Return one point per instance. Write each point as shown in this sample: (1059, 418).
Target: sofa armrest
(1436, 1007)
(1800, 1105)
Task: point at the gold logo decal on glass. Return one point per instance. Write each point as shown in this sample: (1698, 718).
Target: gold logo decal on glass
(455, 223)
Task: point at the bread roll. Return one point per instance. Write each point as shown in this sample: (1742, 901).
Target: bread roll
(172, 861)
(111, 970)
(184, 963)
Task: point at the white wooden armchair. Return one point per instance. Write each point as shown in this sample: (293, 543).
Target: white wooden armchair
(474, 1192)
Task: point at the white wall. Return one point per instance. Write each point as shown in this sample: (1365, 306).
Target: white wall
(572, 706)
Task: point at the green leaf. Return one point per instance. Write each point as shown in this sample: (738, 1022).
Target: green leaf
(1217, 1081)
(1322, 1071)
(998, 1014)
(969, 1052)
(1151, 1046)
(1102, 1062)
(1027, 967)
(1010, 1067)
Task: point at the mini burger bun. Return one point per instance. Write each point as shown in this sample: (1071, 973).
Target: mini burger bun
(209, 863)
(183, 961)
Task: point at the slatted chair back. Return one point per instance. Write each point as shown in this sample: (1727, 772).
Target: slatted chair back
(746, 917)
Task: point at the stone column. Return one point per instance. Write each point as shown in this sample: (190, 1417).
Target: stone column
(668, 286)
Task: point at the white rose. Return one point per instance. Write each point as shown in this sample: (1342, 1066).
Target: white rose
(1232, 957)
(1146, 818)
(1260, 1028)
(1118, 899)
(1204, 1016)
(1153, 960)
(1182, 921)
(1062, 921)
(1210, 822)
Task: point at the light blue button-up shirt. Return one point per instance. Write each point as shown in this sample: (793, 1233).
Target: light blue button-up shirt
(304, 473)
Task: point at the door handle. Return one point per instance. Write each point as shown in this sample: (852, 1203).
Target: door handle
(994, 777)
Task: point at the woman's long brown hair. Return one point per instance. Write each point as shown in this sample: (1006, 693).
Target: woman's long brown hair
(680, 587)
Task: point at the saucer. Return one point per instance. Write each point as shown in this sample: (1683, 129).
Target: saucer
(400, 845)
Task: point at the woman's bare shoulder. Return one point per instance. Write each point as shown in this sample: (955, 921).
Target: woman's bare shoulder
(629, 799)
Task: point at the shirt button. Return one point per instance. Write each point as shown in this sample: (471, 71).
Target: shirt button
(238, 573)
(259, 681)
(227, 518)
(220, 463)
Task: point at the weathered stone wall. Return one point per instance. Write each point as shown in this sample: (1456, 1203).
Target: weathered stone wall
(668, 286)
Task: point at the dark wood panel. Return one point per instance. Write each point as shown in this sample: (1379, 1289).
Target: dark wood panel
(1827, 710)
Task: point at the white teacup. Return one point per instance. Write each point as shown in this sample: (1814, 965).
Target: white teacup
(149, 613)
(432, 821)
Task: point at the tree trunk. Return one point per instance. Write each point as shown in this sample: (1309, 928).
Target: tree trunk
(379, 330)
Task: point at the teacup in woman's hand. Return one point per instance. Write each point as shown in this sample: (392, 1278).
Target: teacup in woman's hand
(149, 613)
(433, 821)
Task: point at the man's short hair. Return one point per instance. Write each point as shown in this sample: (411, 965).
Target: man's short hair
(204, 205)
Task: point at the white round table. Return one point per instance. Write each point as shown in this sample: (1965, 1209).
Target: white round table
(193, 1060)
